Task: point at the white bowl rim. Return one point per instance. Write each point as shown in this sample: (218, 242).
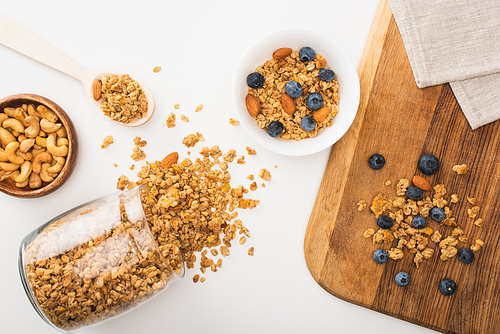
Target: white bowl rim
(336, 58)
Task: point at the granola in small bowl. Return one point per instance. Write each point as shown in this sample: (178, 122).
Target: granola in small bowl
(312, 118)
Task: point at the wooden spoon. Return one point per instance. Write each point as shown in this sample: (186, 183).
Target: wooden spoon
(20, 39)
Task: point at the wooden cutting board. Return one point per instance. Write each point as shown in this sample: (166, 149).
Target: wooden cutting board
(401, 122)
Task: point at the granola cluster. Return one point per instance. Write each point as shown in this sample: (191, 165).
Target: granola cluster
(123, 98)
(418, 241)
(277, 72)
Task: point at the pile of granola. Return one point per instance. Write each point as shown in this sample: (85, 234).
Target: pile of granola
(194, 207)
(417, 241)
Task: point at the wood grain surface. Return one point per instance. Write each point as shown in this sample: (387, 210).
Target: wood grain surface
(401, 122)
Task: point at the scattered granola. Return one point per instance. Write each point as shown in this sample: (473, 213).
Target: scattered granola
(115, 164)
(253, 186)
(138, 154)
(123, 100)
(185, 118)
(250, 177)
(251, 251)
(402, 210)
(199, 107)
(191, 140)
(176, 106)
(241, 160)
(251, 151)
(276, 73)
(157, 69)
(460, 169)
(106, 142)
(171, 120)
(233, 122)
(361, 205)
(265, 174)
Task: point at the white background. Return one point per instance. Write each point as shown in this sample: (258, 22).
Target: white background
(198, 45)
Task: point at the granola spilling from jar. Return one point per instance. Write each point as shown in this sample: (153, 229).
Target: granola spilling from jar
(123, 100)
(194, 207)
(293, 95)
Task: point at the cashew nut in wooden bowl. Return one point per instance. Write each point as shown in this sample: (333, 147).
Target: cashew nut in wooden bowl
(25, 135)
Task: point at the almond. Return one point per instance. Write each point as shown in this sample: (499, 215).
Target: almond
(288, 104)
(281, 53)
(169, 160)
(422, 183)
(97, 89)
(320, 114)
(253, 105)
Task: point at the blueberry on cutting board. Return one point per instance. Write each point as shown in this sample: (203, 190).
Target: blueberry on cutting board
(428, 164)
(376, 161)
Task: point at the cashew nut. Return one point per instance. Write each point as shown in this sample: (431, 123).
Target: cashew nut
(34, 129)
(10, 152)
(61, 133)
(58, 166)
(39, 158)
(21, 115)
(6, 137)
(26, 144)
(22, 184)
(37, 150)
(45, 175)
(9, 111)
(8, 166)
(3, 156)
(25, 107)
(62, 141)
(14, 124)
(9, 175)
(35, 181)
(47, 113)
(25, 156)
(42, 133)
(25, 172)
(32, 111)
(58, 151)
(40, 141)
(3, 117)
(49, 127)
(21, 138)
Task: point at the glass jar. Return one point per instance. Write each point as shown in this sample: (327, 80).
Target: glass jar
(94, 262)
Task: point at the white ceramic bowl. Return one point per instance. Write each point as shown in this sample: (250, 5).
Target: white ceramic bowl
(336, 58)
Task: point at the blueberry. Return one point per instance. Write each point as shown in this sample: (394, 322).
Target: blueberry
(255, 80)
(402, 278)
(314, 101)
(308, 123)
(380, 256)
(437, 214)
(447, 286)
(376, 161)
(275, 128)
(306, 54)
(414, 193)
(326, 74)
(385, 222)
(418, 222)
(428, 164)
(293, 89)
(466, 255)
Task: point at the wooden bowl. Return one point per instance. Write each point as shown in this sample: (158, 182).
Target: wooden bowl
(8, 186)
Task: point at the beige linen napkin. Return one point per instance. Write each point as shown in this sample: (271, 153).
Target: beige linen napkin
(456, 42)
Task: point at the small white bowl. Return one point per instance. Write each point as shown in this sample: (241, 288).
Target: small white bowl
(336, 58)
